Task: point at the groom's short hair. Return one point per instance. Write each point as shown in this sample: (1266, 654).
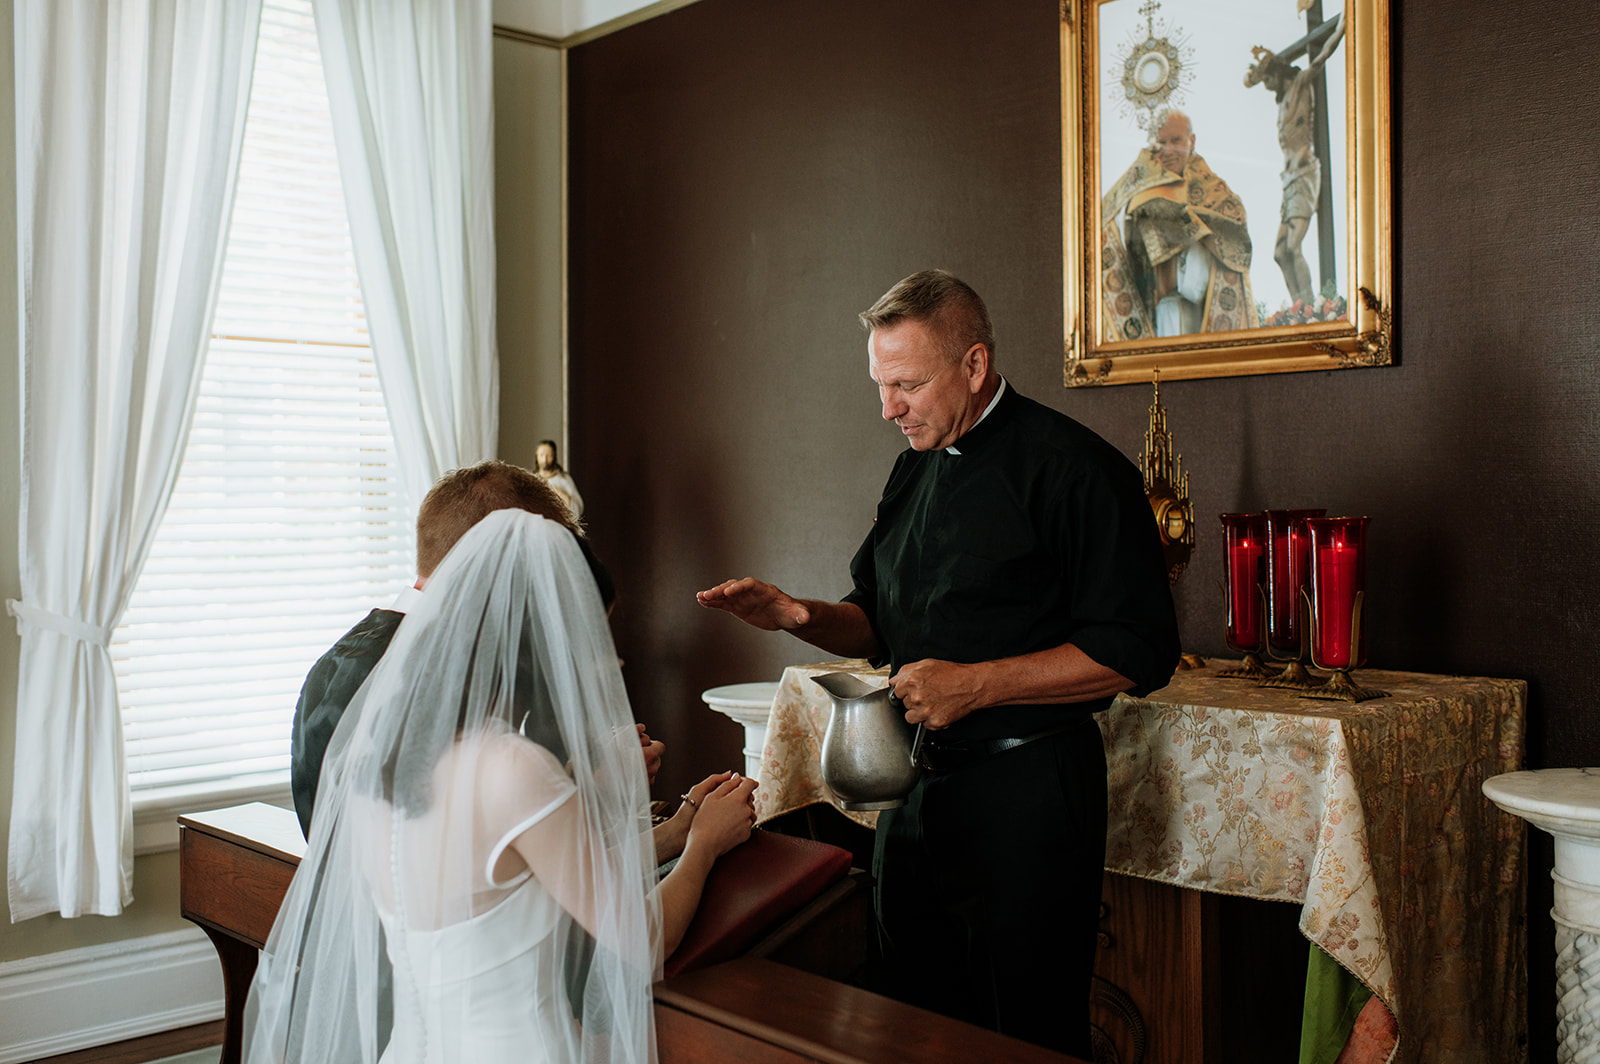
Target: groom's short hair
(463, 497)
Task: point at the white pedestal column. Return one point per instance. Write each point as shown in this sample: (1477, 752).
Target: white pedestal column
(750, 704)
(1566, 803)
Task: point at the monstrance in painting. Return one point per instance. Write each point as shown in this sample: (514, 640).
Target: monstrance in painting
(1153, 68)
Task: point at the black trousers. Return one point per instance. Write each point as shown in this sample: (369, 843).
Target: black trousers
(988, 889)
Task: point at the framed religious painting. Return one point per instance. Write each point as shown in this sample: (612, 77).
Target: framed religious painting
(1226, 185)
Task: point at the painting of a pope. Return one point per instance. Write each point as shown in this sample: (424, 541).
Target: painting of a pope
(1175, 247)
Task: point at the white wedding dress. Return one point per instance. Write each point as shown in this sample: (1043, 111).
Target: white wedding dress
(488, 988)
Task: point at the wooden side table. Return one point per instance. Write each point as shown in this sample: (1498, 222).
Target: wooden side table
(234, 867)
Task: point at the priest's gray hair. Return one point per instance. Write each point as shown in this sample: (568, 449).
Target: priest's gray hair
(941, 300)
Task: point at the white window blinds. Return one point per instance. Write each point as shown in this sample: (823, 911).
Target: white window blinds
(287, 523)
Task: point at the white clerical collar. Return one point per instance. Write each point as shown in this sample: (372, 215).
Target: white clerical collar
(407, 600)
(997, 394)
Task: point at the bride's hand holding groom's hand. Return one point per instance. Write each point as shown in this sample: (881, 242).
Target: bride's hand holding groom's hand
(672, 834)
(731, 794)
(725, 815)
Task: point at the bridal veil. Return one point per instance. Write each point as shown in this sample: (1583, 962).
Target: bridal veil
(412, 930)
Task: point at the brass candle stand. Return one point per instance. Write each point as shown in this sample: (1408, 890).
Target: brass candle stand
(1295, 676)
(1288, 620)
(1244, 596)
(1251, 667)
(1339, 687)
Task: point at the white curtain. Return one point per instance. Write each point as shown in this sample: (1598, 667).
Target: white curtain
(410, 88)
(129, 121)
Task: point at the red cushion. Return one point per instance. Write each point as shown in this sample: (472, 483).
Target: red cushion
(751, 890)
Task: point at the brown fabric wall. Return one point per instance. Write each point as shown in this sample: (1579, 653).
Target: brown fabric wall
(746, 176)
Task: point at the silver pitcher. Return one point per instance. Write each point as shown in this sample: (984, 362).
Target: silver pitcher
(869, 751)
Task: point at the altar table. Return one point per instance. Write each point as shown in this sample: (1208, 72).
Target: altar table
(1370, 816)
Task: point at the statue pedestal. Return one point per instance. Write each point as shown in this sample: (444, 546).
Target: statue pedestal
(749, 704)
(1566, 803)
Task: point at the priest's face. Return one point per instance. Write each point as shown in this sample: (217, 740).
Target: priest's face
(933, 400)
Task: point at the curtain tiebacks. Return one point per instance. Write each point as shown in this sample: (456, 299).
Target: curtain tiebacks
(92, 634)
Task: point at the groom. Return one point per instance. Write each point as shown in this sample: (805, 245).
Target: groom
(459, 500)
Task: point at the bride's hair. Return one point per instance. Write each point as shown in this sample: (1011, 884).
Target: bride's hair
(519, 701)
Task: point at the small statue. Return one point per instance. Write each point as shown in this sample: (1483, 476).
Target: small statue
(559, 479)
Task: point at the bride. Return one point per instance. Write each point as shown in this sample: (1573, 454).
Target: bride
(485, 888)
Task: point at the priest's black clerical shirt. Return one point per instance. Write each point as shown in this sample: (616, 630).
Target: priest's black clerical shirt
(1038, 533)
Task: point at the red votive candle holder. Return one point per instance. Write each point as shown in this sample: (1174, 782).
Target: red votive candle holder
(1338, 583)
(1244, 555)
(1288, 570)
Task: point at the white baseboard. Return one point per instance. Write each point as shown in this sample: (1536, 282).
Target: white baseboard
(78, 998)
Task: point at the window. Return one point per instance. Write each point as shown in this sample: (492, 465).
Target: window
(287, 523)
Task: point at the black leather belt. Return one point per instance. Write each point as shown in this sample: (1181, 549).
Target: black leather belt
(947, 755)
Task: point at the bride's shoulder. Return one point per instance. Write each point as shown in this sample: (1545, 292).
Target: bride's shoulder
(510, 763)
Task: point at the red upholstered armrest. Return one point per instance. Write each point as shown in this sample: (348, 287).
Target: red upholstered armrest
(753, 888)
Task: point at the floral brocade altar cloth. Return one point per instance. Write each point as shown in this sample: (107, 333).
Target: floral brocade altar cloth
(1370, 816)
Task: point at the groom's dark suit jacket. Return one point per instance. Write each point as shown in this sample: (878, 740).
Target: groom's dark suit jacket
(329, 686)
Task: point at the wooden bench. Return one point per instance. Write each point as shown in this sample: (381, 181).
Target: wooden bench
(783, 1001)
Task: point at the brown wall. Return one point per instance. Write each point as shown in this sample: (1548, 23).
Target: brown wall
(746, 176)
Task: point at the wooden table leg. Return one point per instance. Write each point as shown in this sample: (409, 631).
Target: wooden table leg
(238, 969)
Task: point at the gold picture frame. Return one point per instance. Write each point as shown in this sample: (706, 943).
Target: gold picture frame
(1119, 324)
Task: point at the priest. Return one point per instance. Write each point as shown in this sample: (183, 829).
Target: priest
(1013, 580)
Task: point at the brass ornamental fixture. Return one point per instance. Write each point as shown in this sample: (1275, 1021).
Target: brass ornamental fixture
(1167, 486)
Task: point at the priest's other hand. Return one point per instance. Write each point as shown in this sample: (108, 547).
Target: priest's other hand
(937, 693)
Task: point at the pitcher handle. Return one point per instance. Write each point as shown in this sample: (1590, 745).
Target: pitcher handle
(916, 747)
(916, 740)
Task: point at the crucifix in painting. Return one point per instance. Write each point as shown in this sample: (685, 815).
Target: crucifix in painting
(1303, 136)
